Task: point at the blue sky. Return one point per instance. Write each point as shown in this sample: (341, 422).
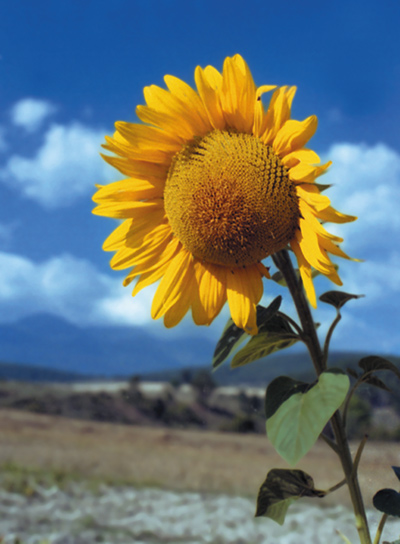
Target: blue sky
(69, 70)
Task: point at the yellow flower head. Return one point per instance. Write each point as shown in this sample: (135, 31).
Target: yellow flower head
(215, 184)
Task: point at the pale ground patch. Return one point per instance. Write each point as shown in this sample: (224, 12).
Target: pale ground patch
(176, 459)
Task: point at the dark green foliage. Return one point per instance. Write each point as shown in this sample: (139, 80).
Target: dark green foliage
(280, 488)
(337, 298)
(233, 336)
(280, 390)
(388, 502)
(274, 335)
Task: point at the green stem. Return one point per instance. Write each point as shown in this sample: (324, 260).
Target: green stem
(380, 529)
(283, 261)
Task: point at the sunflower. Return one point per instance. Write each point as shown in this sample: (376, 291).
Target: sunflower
(215, 183)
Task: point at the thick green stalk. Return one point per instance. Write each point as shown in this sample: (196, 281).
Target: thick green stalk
(283, 261)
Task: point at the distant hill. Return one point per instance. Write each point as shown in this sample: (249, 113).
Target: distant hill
(29, 373)
(259, 373)
(51, 342)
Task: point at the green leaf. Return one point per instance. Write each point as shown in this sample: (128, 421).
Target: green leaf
(396, 470)
(297, 423)
(351, 372)
(376, 382)
(388, 502)
(280, 390)
(280, 489)
(322, 186)
(337, 298)
(278, 278)
(374, 363)
(233, 336)
(274, 335)
(265, 314)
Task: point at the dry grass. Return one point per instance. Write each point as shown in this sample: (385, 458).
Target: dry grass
(174, 459)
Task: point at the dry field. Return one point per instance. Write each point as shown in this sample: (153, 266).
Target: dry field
(174, 459)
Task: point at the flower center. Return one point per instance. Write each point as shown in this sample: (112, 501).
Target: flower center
(229, 199)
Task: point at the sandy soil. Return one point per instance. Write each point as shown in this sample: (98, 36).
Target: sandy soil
(176, 459)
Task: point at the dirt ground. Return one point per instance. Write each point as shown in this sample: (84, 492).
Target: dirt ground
(176, 459)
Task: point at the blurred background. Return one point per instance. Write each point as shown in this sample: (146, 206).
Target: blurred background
(68, 71)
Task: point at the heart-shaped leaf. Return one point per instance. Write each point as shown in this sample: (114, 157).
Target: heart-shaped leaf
(282, 487)
(297, 423)
(387, 501)
(280, 390)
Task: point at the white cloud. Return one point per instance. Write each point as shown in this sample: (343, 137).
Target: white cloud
(366, 183)
(64, 168)
(30, 113)
(70, 288)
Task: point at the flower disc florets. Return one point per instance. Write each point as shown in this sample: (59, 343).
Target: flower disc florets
(229, 199)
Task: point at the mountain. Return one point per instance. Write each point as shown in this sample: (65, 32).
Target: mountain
(260, 373)
(50, 342)
(29, 373)
(45, 348)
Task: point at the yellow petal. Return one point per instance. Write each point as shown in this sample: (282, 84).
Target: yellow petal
(121, 147)
(171, 289)
(305, 273)
(125, 210)
(308, 241)
(333, 216)
(238, 94)
(150, 277)
(169, 122)
(211, 280)
(137, 169)
(317, 201)
(307, 173)
(304, 155)
(142, 247)
(244, 290)
(145, 137)
(120, 236)
(278, 112)
(328, 245)
(209, 83)
(152, 263)
(129, 189)
(294, 135)
(190, 100)
(308, 215)
(161, 101)
(177, 311)
(260, 119)
(264, 271)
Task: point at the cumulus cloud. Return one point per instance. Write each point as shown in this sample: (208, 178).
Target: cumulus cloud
(30, 113)
(70, 288)
(65, 167)
(366, 183)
